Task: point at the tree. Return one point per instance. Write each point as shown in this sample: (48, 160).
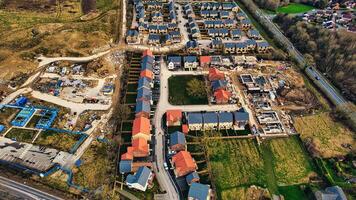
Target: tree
(196, 88)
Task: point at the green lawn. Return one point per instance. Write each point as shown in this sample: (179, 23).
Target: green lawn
(294, 8)
(293, 192)
(178, 94)
(21, 135)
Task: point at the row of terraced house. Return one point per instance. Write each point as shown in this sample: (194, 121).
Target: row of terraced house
(137, 157)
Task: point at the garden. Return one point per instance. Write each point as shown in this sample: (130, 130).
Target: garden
(21, 135)
(55, 140)
(187, 90)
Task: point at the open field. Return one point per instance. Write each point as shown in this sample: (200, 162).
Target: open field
(242, 193)
(21, 135)
(291, 163)
(178, 94)
(325, 139)
(294, 8)
(235, 163)
(95, 168)
(59, 141)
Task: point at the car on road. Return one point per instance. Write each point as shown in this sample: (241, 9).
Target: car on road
(317, 78)
(165, 166)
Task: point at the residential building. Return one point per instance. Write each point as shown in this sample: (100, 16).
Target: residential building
(241, 119)
(205, 61)
(143, 109)
(154, 39)
(210, 120)
(174, 117)
(235, 33)
(263, 47)
(140, 148)
(195, 121)
(183, 163)
(190, 62)
(174, 62)
(141, 128)
(226, 120)
(147, 73)
(125, 166)
(222, 96)
(253, 34)
(219, 84)
(144, 94)
(215, 74)
(198, 191)
(192, 178)
(144, 82)
(246, 24)
(331, 193)
(177, 141)
(132, 36)
(140, 179)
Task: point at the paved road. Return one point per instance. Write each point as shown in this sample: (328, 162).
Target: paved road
(328, 89)
(29, 192)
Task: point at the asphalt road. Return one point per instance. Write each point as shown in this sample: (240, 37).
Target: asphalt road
(26, 191)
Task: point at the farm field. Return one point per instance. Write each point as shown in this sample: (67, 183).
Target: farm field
(294, 8)
(327, 138)
(59, 141)
(21, 135)
(178, 94)
(291, 164)
(235, 163)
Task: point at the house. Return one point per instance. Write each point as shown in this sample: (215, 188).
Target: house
(177, 141)
(167, 39)
(143, 109)
(222, 96)
(195, 32)
(183, 163)
(263, 47)
(251, 44)
(147, 63)
(144, 94)
(190, 62)
(132, 36)
(174, 117)
(185, 129)
(144, 82)
(216, 44)
(195, 121)
(125, 166)
(229, 47)
(235, 33)
(140, 148)
(143, 27)
(210, 120)
(175, 36)
(331, 193)
(154, 39)
(241, 47)
(229, 23)
(153, 29)
(215, 74)
(148, 53)
(163, 29)
(193, 47)
(224, 14)
(192, 178)
(205, 61)
(246, 24)
(140, 179)
(147, 74)
(253, 34)
(141, 128)
(226, 120)
(218, 84)
(174, 62)
(172, 27)
(128, 155)
(241, 16)
(198, 191)
(157, 17)
(241, 118)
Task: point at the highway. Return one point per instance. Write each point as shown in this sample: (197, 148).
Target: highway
(321, 81)
(27, 191)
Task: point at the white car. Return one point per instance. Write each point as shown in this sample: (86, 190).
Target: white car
(165, 166)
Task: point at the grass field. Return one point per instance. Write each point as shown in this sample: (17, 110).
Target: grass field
(95, 167)
(235, 163)
(21, 135)
(294, 8)
(178, 94)
(293, 192)
(291, 163)
(59, 141)
(327, 137)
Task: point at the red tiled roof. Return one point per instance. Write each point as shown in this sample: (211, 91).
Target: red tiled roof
(140, 146)
(184, 163)
(147, 53)
(215, 74)
(128, 155)
(141, 125)
(185, 129)
(146, 73)
(205, 59)
(222, 95)
(174, 115)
